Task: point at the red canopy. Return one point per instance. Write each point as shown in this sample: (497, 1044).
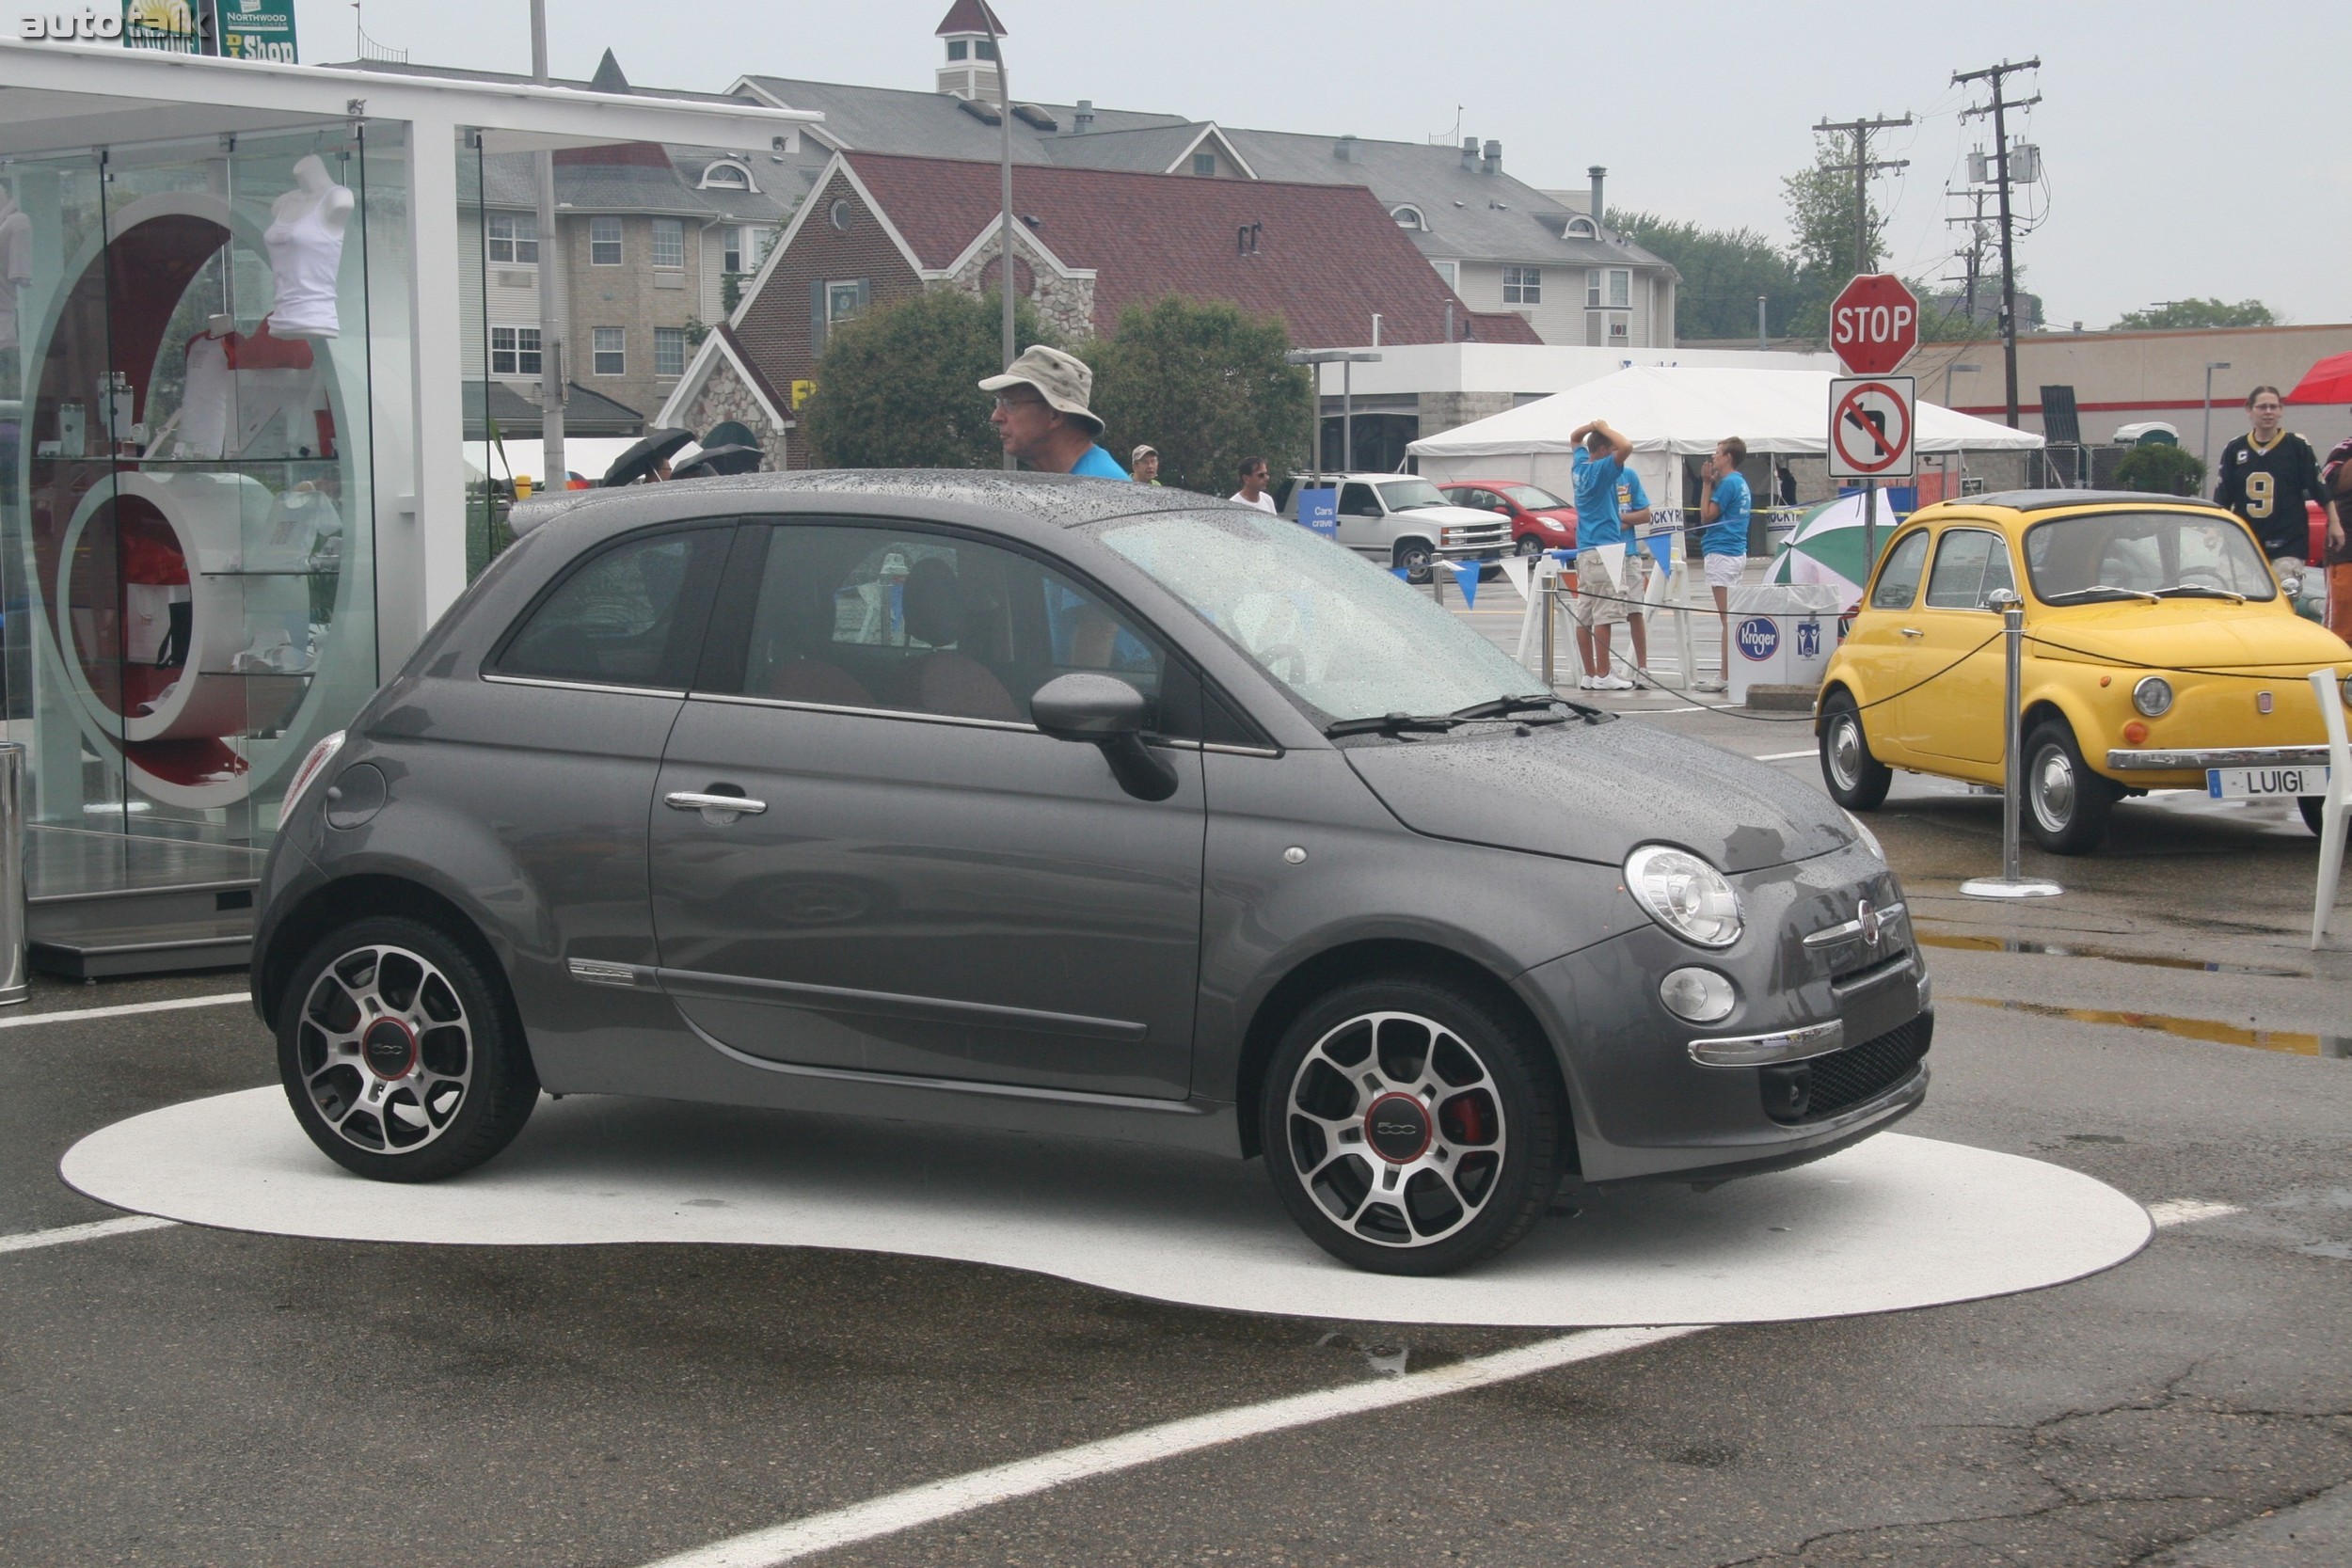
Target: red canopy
(2330, 381)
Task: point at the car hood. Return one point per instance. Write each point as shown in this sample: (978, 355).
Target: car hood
(1592, 792)
(2184, 634)
(1456, 516)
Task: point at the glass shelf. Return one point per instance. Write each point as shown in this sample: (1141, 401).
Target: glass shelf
(286, 573)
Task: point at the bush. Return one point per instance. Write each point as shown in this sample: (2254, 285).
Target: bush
(1205, 384)
(2158, 469)
(898, 387)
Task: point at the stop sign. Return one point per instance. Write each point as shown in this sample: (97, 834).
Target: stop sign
(1874, 323)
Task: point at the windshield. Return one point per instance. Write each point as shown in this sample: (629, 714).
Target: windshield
(1532, 498)
(2115, 555)
(1351, 641)
(1402, 495)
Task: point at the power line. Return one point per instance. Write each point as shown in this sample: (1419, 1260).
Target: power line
(1996, 76)
(1861, 168)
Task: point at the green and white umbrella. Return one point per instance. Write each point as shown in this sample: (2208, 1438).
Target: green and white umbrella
(1825, 546)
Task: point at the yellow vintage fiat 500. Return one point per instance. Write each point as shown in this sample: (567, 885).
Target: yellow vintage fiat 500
(2159, 653)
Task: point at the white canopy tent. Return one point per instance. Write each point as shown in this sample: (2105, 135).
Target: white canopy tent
(1673, 412)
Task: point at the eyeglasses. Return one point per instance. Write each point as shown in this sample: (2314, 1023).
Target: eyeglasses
(1005, 400)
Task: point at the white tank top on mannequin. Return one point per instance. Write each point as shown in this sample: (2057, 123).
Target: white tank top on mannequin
(305, 255)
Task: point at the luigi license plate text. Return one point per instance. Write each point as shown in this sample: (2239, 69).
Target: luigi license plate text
(2264, 783)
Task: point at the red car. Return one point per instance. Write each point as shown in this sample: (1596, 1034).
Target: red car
(1540, 520)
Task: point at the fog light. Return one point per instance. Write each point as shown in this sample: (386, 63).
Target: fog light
(1698, 995)
(2152, 696)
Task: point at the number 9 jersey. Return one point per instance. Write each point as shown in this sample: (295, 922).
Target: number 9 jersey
(2268, 487)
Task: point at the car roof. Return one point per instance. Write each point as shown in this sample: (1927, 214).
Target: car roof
(2052, 500)
(1056, 501)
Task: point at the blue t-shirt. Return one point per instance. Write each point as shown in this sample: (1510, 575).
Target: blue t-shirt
(1595, 482)
(1729, 533)
(1098, 464)
(1630, 496)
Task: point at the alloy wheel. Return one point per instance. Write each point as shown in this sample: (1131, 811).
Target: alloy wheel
(1395, 1129)
(386, 1049)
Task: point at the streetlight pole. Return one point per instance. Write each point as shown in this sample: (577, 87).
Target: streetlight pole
(2205, 445)
(1346, 359)
(550, 287)
(1004, 120)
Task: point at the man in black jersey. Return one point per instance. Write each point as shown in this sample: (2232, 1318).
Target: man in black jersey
(2265, 477)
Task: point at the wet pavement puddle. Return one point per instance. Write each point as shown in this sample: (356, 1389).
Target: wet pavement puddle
(1962, 942)
(2286, 1040)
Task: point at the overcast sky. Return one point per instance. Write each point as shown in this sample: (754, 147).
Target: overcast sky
(2187, 153)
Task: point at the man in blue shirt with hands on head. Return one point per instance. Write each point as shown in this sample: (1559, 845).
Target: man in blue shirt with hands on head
(1725, 544)
(1601, 455)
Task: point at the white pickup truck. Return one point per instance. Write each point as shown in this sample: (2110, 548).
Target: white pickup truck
(1401, 520)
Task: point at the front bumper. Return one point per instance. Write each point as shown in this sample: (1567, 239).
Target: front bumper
(2120, 760)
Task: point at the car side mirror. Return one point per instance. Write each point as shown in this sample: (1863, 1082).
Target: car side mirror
(1106, 713)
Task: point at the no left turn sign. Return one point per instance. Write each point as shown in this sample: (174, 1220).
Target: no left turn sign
(1871, 419)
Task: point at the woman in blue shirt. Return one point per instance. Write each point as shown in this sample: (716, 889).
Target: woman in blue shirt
(1725, 544)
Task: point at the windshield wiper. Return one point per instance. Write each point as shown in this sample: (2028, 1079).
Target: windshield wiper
(1394, 723)
(2200, 591)
(1503, 706)
(2103, 588)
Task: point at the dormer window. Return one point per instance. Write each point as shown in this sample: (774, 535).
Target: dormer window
(1582, 229)
(727, 176)
(1410, 217)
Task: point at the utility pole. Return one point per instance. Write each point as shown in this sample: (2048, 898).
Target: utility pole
(1004, 120)
(1998, 108)
(550, 287)
(1861, 168)
(1971, 258)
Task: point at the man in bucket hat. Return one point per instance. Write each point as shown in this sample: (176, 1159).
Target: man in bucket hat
(1042, 413)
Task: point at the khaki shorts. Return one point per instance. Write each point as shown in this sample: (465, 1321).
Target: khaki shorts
(1599, 597)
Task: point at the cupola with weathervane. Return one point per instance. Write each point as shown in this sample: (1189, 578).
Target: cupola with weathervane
(970, 70)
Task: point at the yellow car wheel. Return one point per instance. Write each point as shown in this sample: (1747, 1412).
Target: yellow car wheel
(1856, 780)
(2067, 805)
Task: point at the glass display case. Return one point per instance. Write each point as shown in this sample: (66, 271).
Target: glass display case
(189, 334)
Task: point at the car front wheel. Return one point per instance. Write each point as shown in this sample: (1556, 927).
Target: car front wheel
(1412, 557)
(1856, 780)
(399, 1053)
(2314, 810)
(1411, 1127)
(1531, 546)
(2067, 805)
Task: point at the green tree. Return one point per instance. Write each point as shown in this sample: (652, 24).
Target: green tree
(1206, 384)
(898, 387)
(2187, 313)
(1723, 270)
(2160, 469)
(1822, 217)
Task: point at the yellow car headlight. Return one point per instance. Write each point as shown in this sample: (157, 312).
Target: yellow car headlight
(2152, 696)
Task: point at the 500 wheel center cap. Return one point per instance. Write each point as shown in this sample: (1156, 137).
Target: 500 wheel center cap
(389, 1048)
(1398, 1128)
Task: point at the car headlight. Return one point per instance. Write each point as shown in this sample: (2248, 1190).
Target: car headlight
(1869, 840)
(2152, 696)
(1684, 894)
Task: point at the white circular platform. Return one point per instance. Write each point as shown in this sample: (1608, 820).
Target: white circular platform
(1895, 1222)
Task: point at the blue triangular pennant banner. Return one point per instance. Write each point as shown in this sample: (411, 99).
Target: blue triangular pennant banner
(1466, 576)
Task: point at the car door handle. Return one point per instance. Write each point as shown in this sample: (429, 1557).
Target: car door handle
(1913, 631)
(719, 810)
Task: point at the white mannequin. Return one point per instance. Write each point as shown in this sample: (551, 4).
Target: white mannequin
(304, 240)
(16, 265)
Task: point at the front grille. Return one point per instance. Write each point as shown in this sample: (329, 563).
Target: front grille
(1844, 1079)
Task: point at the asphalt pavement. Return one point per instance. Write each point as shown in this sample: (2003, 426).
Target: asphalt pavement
(178, 1395)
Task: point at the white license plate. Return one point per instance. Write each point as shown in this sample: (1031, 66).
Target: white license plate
(2264, 783)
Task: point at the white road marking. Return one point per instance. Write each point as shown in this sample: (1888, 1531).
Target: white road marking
(1788, 756)
(125, 1010)
(25, 1240)
(2188, 1211)
(943, 1500)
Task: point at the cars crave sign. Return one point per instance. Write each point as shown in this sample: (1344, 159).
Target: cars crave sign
(1873, 324)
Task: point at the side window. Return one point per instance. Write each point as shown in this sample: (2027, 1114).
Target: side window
(871, 617)
(1899, 579)
(1356, 501)
(630, 615)
(1969, 563)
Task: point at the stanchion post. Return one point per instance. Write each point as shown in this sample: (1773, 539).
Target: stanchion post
(14, 986)
(1544, 586)
(2011, 883)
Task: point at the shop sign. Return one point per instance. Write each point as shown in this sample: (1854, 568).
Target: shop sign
(249, 29)
(258, 30)
(86, 25)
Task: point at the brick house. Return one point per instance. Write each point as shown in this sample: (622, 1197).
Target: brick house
(1324, 258)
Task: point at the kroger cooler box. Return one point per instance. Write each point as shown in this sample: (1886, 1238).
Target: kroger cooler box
(1782, 634)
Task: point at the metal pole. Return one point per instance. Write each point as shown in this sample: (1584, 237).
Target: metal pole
(2008, 257)
(2011, 883)
(1545, 584)
(1347, 417)
(1004, 156)
(14, 988)
(1762, 341)
(1870, 526)
(552, 376)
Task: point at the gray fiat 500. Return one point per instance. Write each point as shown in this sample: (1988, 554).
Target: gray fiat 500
(1065, 806)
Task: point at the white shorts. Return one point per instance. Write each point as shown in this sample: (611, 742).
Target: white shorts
(1725, 570)
(1599, 598)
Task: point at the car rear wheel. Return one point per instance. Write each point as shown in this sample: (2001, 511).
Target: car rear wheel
(1856, 780)
(1413, 556)
(2067, 805)
(1411, 1128)
(400, 1055)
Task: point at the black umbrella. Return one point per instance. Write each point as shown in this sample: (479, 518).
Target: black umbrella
(636, 462)
(719, 460)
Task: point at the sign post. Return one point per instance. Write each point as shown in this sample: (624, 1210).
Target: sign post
(1873, 327)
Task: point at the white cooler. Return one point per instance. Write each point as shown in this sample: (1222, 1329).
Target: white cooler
(1782, 634)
